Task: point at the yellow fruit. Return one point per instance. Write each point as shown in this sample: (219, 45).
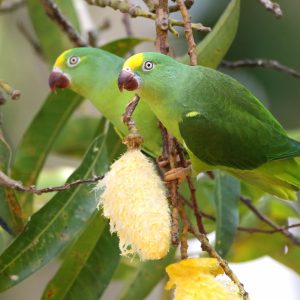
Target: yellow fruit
(134, 199)
(199, 279)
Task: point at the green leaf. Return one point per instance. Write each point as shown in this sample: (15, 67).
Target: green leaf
(147, 277)
(50, 37)
(227, 194)
(10, 211)
(215, 45)
(52, 228)
(89, 266)
(40, 136)
(114, 144)
(76, 136)
(123, 46)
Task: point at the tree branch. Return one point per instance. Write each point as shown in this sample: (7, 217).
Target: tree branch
(13, 93)
(136, 11)
(206, 246)
(176, 7)
(18, 186)
(272, 7)
(268, 221)
(188, 32)
(265, 63)
(57, 16)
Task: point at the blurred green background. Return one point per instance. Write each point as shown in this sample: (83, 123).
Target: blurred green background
(260, 35)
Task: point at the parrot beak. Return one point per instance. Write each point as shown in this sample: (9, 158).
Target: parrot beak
(128, 80)
(58, 79)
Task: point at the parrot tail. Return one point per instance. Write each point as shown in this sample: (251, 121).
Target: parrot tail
(280, 178)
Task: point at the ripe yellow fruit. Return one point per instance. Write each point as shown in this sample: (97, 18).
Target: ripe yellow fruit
(200, 279)
(134, 199)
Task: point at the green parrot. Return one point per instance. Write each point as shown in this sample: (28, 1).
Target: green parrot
(93, 74)
(219, 122)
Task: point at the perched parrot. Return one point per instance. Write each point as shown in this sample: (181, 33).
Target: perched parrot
(93, 74)
(220, 123)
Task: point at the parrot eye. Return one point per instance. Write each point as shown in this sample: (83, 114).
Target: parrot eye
(148, 65)
(73, 61)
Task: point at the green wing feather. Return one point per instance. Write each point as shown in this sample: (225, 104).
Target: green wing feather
(226, 125)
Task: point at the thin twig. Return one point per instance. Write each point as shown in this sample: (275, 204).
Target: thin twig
(127, 116)
(150, 5)
(133, 140)
(9, 90)
(36, 47)
(272, 7)
(268, 221)
(12, 6)
(206, 246)
(241, 228)
(188, 32)
(57, 16)
(194, 204)
(176, 7)
(18, 186)
(136, 11)
(271, 231)
(265, 63)
(184, 232)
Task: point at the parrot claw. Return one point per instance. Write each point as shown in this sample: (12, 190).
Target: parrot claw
(178, 174)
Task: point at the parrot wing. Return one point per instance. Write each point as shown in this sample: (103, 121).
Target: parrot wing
(225, 125)
(242, 144)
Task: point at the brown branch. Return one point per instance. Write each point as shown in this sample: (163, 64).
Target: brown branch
(162, 26)
(10, 7)
(57, 16)
(176, 7)
(265, 63)
(13, 93)
(272, 7)
(206, 246)
(18, 186)
(241, 228)
(133, 140)
(136, 11)
(194, 204)
(184, 233)
(150, 5)
(36, 47)
(188, 32)
(268, 221)
(162, 45)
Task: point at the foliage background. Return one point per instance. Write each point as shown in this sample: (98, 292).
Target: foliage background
(259, 35)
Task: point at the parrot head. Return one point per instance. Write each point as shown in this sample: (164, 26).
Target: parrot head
(79, 68)
(147, 72)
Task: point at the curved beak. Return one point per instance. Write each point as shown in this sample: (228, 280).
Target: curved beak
(58, 79)
(128, 80)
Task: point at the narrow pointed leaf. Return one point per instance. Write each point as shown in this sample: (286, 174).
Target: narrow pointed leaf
(52, 228)
(89, 266)
(147, 277)
(76, 136)
(212, 49)
(123, 46)
(40, 136)
(10, 211)
(227, 193)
